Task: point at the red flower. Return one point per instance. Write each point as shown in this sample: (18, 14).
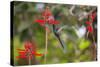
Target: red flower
(93, 15)
(53, 22)
(90, 28)
(22, 54)
(48, 18)
(28, 45)
(88, 22)
(41, 22)
(46, 13)
(29, 49)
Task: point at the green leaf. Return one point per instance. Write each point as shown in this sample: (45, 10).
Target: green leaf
(84, 44)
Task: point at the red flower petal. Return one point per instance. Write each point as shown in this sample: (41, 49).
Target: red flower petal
(53, 22)
(41, 22)
(90, 29)
(28, 45)
(93, 15)
(22, 56)
(46, 13)
(88, 22)
(56, 22)
(21, 52)
(38, 54)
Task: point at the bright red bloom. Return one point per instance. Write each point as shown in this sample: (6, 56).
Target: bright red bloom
(46, 13)
(22, 54)
(28, 51)
(53, 22)
(88, 22)
(90, 28)
(93, 15)
(41, 22)
(37, 54)
(48, 18)
(28, 45)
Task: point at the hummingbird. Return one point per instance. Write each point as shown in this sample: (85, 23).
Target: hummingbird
(63, 46)
(55, 31)
(50, 19)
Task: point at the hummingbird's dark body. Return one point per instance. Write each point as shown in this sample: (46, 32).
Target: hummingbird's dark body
(58, 37)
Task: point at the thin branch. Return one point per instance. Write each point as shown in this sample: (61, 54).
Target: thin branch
(46, 44)
(71, 10)
(29, 60)
(65, 27)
